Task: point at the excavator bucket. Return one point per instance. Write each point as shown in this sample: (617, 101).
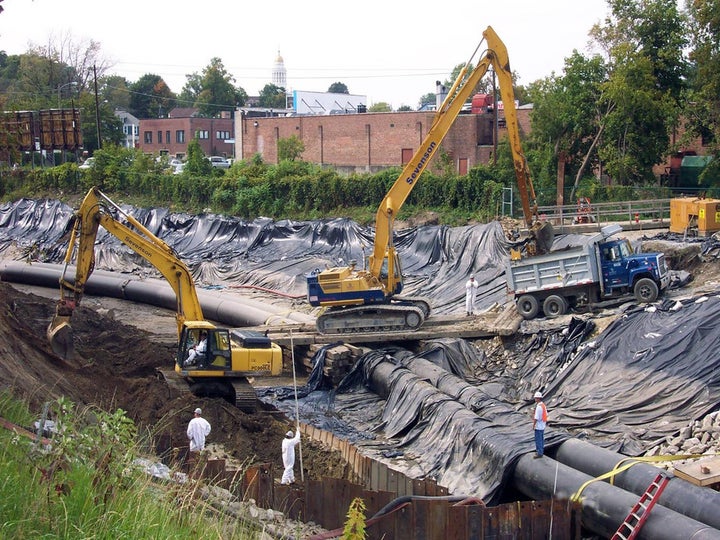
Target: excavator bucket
(544, 235)
(60, 335)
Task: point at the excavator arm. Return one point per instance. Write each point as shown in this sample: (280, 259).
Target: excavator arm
(97, 210)
(369, 300)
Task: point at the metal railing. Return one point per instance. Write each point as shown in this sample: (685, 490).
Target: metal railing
(631, 214)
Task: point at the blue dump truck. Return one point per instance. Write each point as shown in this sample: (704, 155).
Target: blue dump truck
(595, 273)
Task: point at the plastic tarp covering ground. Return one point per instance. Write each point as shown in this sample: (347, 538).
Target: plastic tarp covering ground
(277, 255)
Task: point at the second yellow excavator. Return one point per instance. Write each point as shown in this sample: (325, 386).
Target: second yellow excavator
(218, 367)
(368, 299)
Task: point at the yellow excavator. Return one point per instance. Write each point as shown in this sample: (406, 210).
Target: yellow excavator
(218, 367)
(368, 299)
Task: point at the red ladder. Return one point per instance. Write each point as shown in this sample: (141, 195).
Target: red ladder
(630, 528)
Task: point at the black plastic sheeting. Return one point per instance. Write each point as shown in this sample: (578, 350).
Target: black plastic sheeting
(276, 254)
(647, 375)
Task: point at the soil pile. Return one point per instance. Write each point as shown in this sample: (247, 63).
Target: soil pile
(115, 367)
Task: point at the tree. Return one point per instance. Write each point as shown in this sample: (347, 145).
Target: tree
(290, 148)
(217, 92)
(338, 88)
(150, 97)
(702, 106)
(380, 106)
(115, 89)
(644, 40)
(196, 163)
(427, 99)
(404, 108)
(567, 116)
(272, 96)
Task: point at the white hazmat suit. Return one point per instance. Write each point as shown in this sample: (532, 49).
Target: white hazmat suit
(471, 287)
(197, 430)
(288, 456)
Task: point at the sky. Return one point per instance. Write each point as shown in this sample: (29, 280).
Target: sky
(390, 51)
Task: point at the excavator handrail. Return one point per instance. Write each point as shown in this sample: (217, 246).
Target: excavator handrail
(496, 56)
(92, 213)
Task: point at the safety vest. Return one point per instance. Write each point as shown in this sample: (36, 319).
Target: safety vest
(544, 411)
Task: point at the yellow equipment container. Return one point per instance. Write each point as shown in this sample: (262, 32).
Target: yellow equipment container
(693, 213)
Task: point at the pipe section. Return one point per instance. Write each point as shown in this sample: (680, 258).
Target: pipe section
(232, 311)
(688, 499)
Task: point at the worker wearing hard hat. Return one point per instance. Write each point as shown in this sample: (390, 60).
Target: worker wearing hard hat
(288, 456)
(539, 423)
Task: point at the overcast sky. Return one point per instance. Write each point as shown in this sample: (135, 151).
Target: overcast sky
(389, 50)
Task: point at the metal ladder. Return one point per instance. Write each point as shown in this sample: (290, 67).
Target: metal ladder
(630, 528)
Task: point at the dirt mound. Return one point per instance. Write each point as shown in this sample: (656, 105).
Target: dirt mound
(115, 367)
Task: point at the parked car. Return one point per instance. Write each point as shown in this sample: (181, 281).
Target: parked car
(219, 162)
(179, 168)
(88, 163)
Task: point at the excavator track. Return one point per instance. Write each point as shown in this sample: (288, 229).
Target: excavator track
(245, 396)
(396, 317)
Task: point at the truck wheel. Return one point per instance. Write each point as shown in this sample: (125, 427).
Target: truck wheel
(528, 306)
(646, 290)
(554, 306)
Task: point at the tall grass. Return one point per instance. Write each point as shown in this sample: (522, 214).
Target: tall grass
(84, 485)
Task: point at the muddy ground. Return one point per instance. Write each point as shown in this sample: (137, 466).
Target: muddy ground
(115, 366)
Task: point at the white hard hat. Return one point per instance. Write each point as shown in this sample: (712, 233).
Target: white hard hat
(289, 434)
(538, 394)
(198, 411)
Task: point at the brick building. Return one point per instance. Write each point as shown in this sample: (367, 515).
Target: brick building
(370, 141)
(171, 135)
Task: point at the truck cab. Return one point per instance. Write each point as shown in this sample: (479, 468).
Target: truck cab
(622, 271)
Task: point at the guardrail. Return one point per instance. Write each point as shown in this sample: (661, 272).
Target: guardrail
(630, 214)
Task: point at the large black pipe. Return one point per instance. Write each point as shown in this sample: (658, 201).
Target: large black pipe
(696, 502)
(693, 501)
(230, 311)
(604, 506)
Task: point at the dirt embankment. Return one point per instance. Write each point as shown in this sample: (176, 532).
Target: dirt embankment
(115, 366)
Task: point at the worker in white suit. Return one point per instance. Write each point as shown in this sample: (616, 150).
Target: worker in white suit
(471, 287)
(288, 456)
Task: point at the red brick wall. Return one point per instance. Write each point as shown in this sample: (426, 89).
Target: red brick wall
(211, 146)
(365, 142)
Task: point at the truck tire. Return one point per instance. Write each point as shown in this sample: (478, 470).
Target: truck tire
(528, 306)
(555, 306)
(646, 290)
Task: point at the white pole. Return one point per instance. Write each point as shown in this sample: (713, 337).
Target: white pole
(297, 410)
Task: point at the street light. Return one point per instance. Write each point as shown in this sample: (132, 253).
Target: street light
(72, 83)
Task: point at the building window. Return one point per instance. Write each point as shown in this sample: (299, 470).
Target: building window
(167, 136)
(202, 134)
(160, 137)
(222, 135)
(180, 136)
(147, 137)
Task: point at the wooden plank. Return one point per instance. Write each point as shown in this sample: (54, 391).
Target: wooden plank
(456, 527)
(314, 505)
(430, 518)
(374, 502)
(392, 482)
(705, 472)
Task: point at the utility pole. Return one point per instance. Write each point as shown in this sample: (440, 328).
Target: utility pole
(97, 109)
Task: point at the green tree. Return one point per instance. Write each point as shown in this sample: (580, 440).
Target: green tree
(272, 96)
(196, 164)
(150, 97)
(115, 89)
(702, 106)
(567, 116)
(427, 99)
(404, 108)
(338, 88)
(290, 148)
(380, 106)
(644, 40)
(217, 92)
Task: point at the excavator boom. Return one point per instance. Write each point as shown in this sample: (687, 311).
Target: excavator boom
(227, 357)
(369, 300)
